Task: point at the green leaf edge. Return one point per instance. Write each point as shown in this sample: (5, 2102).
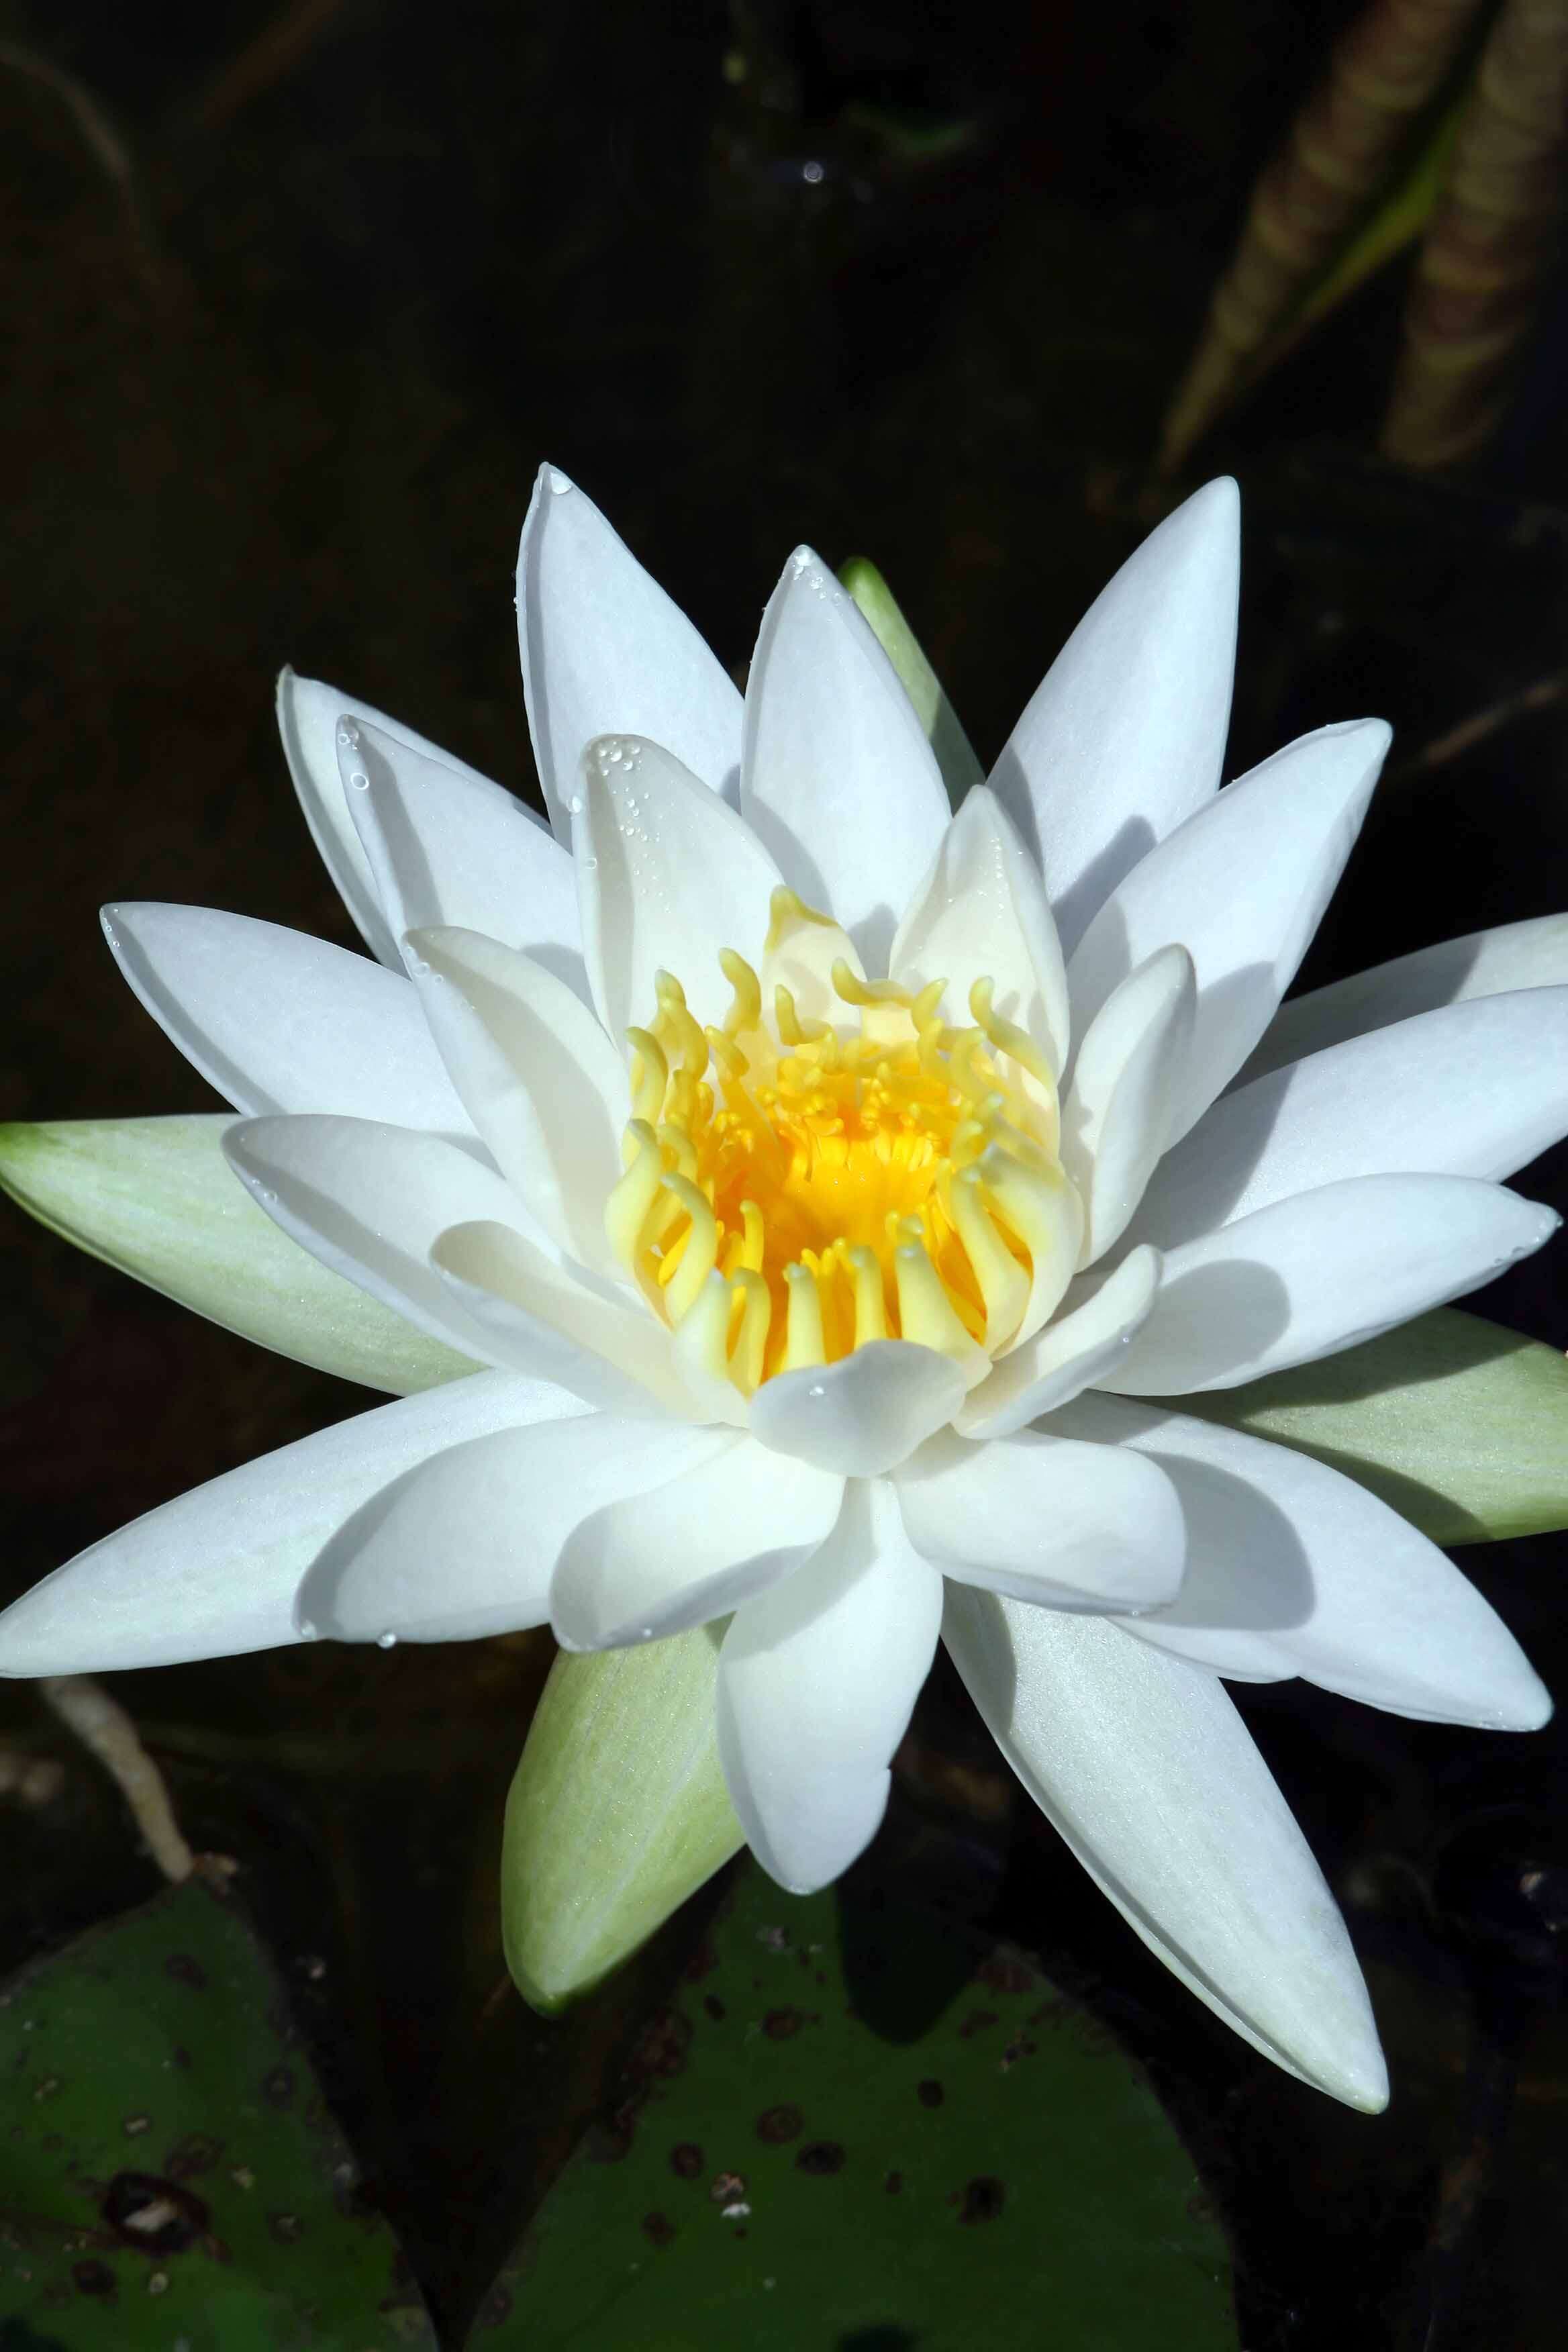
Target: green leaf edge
(1386, 1413)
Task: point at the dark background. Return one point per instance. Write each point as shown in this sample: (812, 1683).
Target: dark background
(299, 297)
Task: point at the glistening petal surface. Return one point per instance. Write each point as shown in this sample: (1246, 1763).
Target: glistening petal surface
(1322, 1271)
(733, 1522)
(982, 914)
(604, 647)
(1125, 735)
(1086, 1344)
(838, 779)
(864, 1415)
(667, 875)
(449, 848)
(466, 1543)
(817, 1677)
(215, 1571)
(1145, 1767)
(1475, 1089)
(1532, 954)
(1126, 1092)
(276, 1021)
(1047, 1520)
(1243, 884)
(1293, 1570)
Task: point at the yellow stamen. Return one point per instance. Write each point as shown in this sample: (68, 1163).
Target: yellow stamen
(803, 1345)
(699, 1248)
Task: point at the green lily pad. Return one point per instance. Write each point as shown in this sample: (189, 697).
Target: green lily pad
(1460, 1425)
(858, 2128)
(156, 1198)
(169, 2174)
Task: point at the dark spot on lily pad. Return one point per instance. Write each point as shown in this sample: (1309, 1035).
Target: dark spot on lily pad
(196, 2153)
(781, 2024)
(657, 2229)
(156, 2216)
(983, 2199)
(714, 2007)
(94, 2278)
(727, 2187)
(893, 2183)
(929, 2093)
(777, 2124)
(820, 2156)
(685, 2159)
(185, 1971)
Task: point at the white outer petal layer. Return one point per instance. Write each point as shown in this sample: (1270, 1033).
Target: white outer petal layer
(1143, 1765)
(817, 1677)
(1295, 1570)
(215, 1572)
(602, 646)
(1124, 738)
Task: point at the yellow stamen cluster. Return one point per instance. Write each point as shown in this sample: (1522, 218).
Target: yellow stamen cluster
(794, 1189)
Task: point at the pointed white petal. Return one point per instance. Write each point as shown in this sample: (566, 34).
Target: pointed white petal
(730, 1524)
(1243, 885)
(1474, 1089)
(1125, 736)
(369, 1202)
(1295, 1570)
(1045, 1519)
(446, 847)
(215, 1572)
(604, 647)
(308, 716)
(539, 1077)
(1145, 1767)
(1125, 1091)
(838, 779)
(156, 1198)
(1084, 1345)
(667, 877)
(536, 1314)
(276, 1021)
(465, 1544)
(1322, 1271)
(862, 1415)
(982, 914)
(817, 1678)
(1485, 963)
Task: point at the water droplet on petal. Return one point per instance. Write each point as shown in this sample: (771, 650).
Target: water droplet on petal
(576, 804)
(359, 782)
(308, 1632)
(386, 1640)
(559, 485)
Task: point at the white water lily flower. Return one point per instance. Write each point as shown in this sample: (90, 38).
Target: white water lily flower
(822, 1179)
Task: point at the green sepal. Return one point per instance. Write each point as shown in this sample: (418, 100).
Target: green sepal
(1460, 1425)
(617, 1812)
(156, 1198)
(955, 756)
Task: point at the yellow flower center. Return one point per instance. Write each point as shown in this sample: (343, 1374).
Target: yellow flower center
(796, 1188)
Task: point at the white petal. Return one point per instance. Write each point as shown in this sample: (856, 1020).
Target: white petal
(1475, 1089)
(982, 914)
(1126, 1087)
(667, 877)
(817, 1678)
(537, 1314)
(1322, 1271)
(1532, 954)
(308, 716)
(838, 779)
(604, 647)
(862, 1415)
(465, 1544)
(723, 1530)
(1083, 1346)
(1125, 736)
(1294, 1569)
(1145, 1767)
(446, 847)
(537, 1075)
(369, 1202)
(215, 1571)
(276, 1021)
(1243, 885)
(1045, 1519)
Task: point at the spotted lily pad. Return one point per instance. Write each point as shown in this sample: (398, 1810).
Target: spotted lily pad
(858, 2128)
(169, 2174)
